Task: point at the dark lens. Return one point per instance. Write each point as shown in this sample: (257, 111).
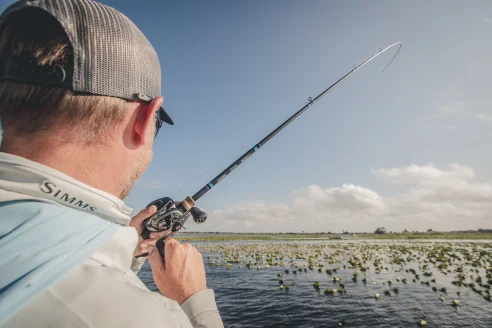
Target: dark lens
(158, 121)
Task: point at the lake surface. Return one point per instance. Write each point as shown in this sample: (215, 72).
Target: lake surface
(251, 297)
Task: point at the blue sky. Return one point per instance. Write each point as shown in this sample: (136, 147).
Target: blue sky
(375, 151)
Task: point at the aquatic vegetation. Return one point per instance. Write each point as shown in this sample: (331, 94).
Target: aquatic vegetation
(456, 302)
(423, 323)
(394, 263)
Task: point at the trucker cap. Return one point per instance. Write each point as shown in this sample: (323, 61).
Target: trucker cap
(111, 56)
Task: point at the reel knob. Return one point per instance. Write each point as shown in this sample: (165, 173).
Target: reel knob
(199, 216)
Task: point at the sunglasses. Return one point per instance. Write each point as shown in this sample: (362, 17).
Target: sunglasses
(159, 119)
(161, 115)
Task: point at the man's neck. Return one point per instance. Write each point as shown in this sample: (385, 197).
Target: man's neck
(97, 166)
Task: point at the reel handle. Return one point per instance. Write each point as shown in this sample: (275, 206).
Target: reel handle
(199, 216)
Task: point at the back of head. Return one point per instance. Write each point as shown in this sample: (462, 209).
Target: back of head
(106, 59)
(74, 74)
(26, 109)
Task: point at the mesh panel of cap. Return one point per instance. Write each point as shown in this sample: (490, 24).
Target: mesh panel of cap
(112, 57)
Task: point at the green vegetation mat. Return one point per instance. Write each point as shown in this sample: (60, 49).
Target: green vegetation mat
(387, 236)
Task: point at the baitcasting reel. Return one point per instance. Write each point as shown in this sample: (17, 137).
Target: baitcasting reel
(171, 218)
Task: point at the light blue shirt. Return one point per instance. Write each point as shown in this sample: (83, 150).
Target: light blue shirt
(40, 243)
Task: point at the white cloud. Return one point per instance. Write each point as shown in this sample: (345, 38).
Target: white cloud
(487, 20)
(463, 110)
(427, 175)
(441, 199)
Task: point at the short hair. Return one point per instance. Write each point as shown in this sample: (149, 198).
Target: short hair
(27, 109)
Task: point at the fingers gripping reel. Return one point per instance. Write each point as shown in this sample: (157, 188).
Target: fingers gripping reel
(171, 218)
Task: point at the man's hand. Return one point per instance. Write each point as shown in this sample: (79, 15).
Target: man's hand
(137, 223)
(182, 274)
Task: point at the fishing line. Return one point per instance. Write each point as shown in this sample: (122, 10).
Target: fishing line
(215, 165)
(396, 54)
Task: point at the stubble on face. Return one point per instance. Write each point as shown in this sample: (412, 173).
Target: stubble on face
(142, 165)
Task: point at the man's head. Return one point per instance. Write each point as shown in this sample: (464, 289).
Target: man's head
(79, 75)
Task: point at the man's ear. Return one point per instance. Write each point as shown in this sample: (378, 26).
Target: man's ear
(144, 127)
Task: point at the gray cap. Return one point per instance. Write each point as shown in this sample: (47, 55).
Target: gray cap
(112, 57)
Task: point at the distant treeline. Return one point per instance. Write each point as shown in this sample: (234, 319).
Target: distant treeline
(335, 233)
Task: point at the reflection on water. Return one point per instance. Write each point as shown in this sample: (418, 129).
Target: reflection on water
(250, 297)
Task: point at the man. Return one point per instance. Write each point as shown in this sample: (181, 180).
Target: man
(80, 106)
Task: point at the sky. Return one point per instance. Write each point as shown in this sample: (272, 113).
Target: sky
(405, 149)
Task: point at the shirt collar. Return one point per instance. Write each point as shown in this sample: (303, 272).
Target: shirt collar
(26, 179)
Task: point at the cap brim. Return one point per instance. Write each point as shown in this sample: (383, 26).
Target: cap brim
(165, 116)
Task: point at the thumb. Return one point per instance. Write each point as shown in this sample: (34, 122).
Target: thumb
(155, 259)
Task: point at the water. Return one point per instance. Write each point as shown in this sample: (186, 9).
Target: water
(252, 298)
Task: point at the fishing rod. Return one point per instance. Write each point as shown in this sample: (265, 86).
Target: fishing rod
(170, 217)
